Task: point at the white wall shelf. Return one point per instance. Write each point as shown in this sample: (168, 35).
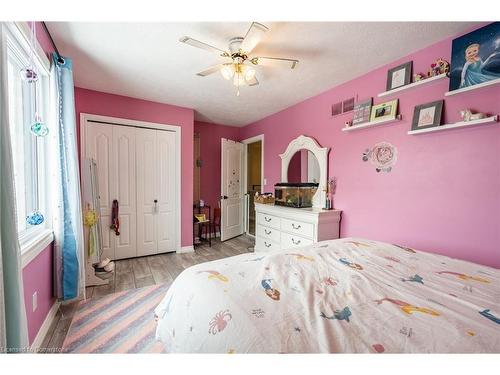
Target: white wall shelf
(461, 124)
(371, 124)
(471, 88)
(422, 82)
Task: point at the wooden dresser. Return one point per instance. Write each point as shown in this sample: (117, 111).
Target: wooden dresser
(281, 228)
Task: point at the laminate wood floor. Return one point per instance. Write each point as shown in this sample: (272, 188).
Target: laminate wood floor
(141, 272)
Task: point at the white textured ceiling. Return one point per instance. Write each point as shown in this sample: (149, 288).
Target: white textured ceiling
(146, 60)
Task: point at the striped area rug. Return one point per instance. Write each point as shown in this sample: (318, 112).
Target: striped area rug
(119, 323)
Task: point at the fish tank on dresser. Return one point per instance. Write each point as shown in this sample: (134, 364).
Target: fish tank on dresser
(295, 194)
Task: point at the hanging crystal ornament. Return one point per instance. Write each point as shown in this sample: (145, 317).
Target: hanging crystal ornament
(35, 218)
(28, 74)
(38, 128)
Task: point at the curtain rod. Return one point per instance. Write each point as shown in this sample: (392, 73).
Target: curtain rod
(60, 60)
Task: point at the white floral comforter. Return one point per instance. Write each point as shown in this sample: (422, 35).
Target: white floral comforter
(349, 295)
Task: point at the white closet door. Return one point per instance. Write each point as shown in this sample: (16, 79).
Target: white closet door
(166, 223)
(123, 186)
(99, 145)
(147, 191)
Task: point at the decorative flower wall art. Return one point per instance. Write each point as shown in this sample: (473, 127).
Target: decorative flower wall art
(382, 155)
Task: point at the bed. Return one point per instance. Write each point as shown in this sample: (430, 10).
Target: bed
(343, 296)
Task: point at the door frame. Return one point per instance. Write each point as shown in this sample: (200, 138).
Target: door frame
(246, 142)
(85, 118)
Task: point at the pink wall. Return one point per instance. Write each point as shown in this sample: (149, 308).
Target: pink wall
(442, 195)
(99, 103)
(210, 152)
(37, 277)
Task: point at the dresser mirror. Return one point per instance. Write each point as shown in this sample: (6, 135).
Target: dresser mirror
(303, 167)
(304, 160)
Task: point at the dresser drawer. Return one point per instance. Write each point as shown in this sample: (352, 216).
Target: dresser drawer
(268, 233)
(289, 241)
(264, 244)
(268, 220)
(297, 227)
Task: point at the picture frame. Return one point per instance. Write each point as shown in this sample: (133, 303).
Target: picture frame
(384, 111)
(475, 57)
(362, 111)
(399, 76)
(337, 109)
(348, 105)
(427, 115)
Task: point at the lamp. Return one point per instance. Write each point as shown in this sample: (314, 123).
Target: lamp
(227, 71)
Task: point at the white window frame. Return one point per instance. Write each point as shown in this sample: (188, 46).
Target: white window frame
(35, 239)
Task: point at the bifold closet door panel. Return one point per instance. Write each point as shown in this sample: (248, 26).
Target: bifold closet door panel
(99, 145)
(147, 190)
(123, 187)
(166, 220)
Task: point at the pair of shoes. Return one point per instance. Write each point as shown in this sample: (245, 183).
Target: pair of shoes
(103, 263)
(110, 267)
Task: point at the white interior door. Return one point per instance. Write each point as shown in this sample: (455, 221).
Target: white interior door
(98, 146)
(232, 189)
(123, 187)
(166, 221)
(147, 191)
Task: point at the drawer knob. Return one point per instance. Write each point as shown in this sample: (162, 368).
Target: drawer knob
(268, 232)
(267, 244)
(295, 242)
(268, 219)
(296, 226)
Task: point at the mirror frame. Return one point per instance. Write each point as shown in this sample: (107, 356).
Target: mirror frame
(321, 154)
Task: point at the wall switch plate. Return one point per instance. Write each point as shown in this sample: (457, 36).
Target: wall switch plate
(35, 301)
(265, 181)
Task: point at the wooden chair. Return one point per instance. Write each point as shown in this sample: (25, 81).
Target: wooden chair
(198, 227)
(216, 221)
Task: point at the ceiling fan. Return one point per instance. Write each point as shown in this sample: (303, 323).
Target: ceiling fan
(240, 68)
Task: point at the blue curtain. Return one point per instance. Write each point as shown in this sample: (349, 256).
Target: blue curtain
(68, 228)
(13, 328)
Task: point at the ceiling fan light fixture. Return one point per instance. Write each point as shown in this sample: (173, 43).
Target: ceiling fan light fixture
(239, 79)
(227, 71)
(249, 73)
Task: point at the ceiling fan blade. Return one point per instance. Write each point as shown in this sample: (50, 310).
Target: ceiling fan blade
(274, 61)
(252, 82)
(211, 70)
(253, 37)
(205, 46)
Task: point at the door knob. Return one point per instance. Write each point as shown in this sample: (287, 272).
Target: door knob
(223, 197)
(156, 205)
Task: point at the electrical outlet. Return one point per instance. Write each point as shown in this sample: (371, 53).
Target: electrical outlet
(35, 301)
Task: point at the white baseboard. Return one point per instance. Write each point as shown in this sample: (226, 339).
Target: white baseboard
(186, 249)
(42, 332)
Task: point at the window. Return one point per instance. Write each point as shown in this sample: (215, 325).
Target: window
(28, 151)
